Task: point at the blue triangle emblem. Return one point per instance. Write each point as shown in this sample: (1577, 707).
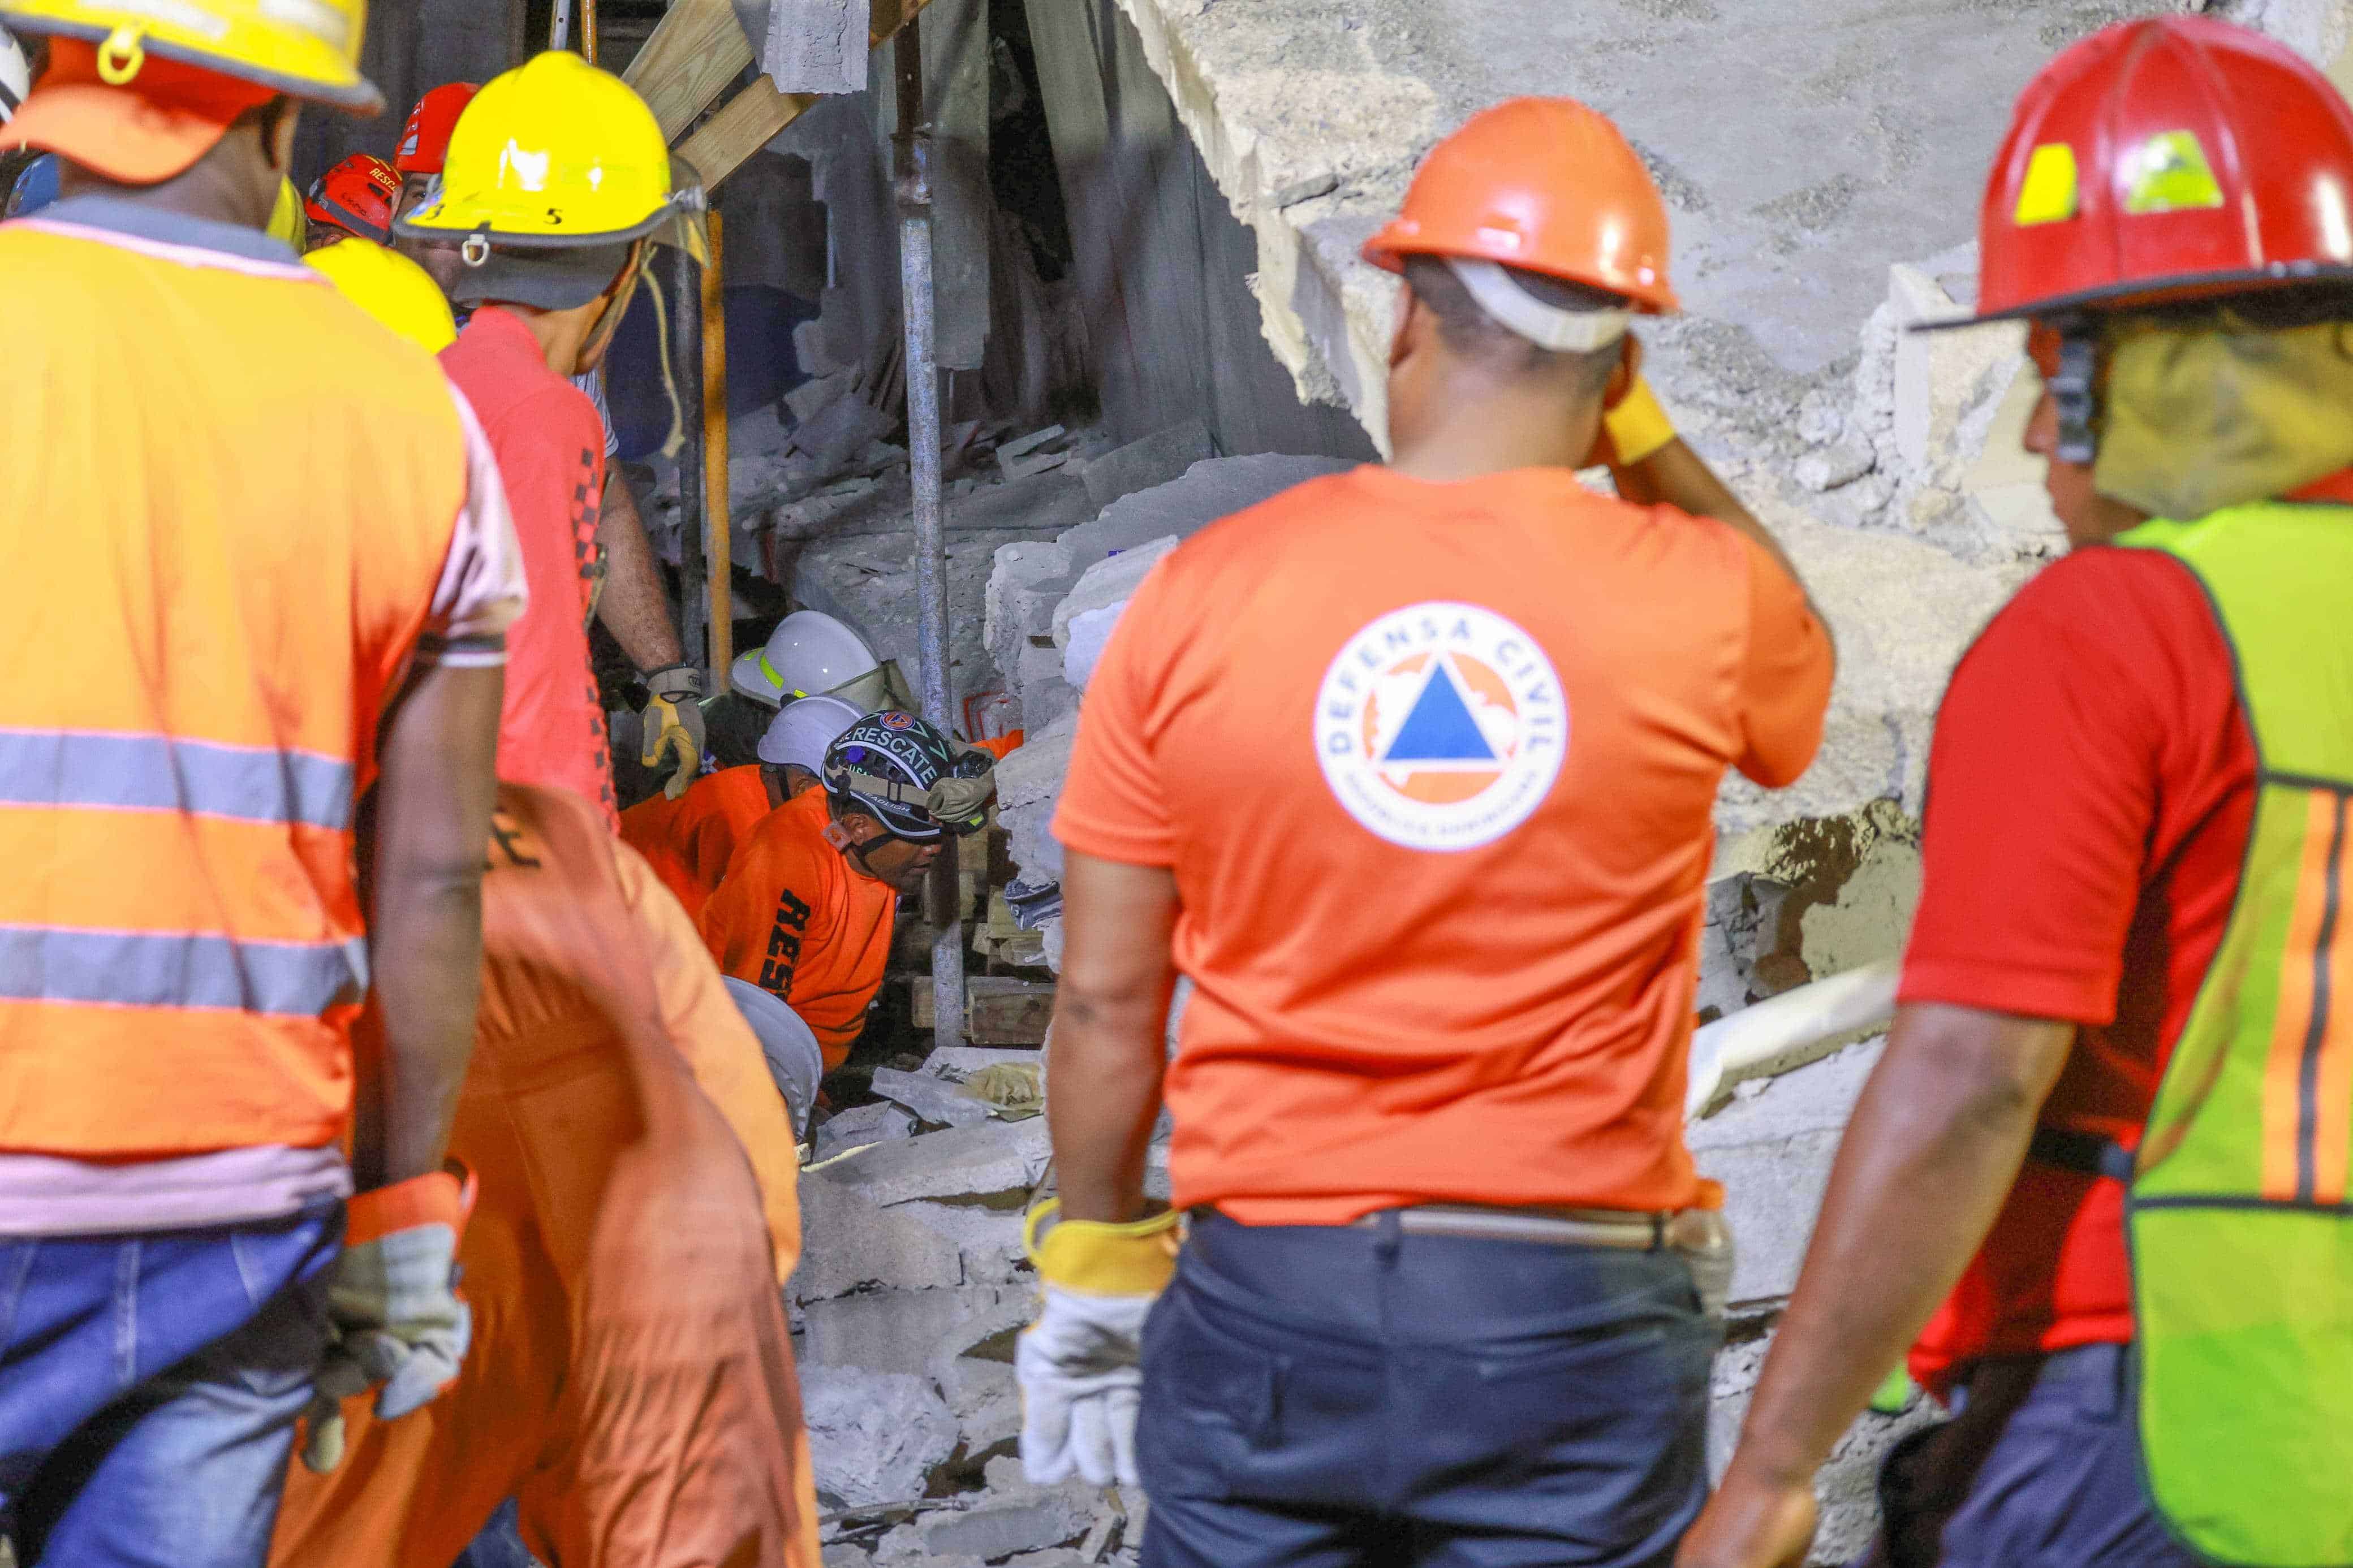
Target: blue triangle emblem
(1440, 728)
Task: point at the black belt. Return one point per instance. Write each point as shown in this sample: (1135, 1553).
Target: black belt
(2085, 1154)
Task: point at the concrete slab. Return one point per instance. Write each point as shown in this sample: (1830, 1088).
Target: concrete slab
(1802, 148)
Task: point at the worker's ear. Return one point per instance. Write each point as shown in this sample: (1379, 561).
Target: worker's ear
(279, 122)
(1414, 324)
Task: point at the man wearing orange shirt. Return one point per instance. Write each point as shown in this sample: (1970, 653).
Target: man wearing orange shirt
(691, 840)
(631, 1382)
(808, 908)
(1411, 771)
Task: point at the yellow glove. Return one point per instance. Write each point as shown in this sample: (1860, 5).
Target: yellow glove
(673, 725)
(1096, 1257)
(1637, 425)
(1079, 1364)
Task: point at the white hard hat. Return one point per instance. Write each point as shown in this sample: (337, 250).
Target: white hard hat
(795, 1062)
(809, 652)
(800, 733)
(15, 75)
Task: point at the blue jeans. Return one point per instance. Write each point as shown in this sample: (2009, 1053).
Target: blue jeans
(2062, 1486)
(500, 1545)
(1315, 1396)
(149, 1388)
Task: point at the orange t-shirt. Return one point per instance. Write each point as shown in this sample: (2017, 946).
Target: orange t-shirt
(796, 918)
(689, 841)
(1433, 766)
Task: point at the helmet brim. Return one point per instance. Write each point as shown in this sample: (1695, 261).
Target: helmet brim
(2144, 293)
(339, 88)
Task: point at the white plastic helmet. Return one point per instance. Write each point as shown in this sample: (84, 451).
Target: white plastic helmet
(794, 1061)
(15, 75)
(809, 652)
(799, 734)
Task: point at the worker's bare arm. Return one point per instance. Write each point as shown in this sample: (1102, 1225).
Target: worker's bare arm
(1111, 1016)
(1929, 1157)
(635, 607)
(437, 754)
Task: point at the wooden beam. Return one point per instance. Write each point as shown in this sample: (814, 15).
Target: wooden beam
(696, 50)
(741, 127)
(719, 538)
(749, 121)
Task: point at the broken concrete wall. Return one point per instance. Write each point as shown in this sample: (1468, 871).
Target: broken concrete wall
(1164, 269)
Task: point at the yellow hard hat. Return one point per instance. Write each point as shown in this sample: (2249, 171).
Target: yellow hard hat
(304, 49)
(286, 219)
(554, 153)
(391, 288)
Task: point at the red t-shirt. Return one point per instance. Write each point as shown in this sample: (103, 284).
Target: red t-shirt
(551, 452)
(1433, 766)
(2090, 794)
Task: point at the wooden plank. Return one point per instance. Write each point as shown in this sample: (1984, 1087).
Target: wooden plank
(749, 121)
(696, 50)
(719, 539)
(1000, 1011)
(741, 127)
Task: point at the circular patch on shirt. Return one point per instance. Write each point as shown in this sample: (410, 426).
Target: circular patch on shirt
(1441, 726)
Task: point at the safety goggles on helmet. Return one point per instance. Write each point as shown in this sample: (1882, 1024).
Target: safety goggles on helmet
(910, 776)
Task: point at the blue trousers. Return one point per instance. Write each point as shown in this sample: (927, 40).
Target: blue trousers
(149, 1388)
(2062, 1487)
(1316, 1397)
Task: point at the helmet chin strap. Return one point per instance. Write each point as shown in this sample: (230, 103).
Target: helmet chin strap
(616, 305)
(2072, 394)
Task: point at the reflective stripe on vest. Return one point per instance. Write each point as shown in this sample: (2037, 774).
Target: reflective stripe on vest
(166, 969)
(165, 773)
(2242, 1237)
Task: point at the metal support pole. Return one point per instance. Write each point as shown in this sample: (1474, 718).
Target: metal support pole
(588, 31)
(718, 523)
(682, 286)
(914, 198)
(559, 26)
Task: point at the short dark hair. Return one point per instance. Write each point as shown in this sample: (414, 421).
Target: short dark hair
(1470, 331)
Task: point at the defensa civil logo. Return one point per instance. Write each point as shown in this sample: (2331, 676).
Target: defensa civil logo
(1441, 726)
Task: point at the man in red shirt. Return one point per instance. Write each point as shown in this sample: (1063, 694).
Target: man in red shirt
(551, 265)
(1411, 770)
(2092, 787)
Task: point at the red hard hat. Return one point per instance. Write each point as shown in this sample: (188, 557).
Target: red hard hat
(1542, 183)
(355, 196)
(2167, 158)
(425, 140)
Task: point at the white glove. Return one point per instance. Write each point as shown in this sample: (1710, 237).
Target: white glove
(393, 1304)
(1081, 1382)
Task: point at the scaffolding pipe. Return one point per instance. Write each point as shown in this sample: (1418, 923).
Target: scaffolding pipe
(682, 285)
(718, 522)
(914, 200)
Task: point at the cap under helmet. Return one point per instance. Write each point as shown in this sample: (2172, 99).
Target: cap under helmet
(910, 776)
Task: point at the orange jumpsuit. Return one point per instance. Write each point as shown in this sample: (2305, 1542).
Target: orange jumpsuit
(690, 841)
(796, 918)
(630, 1380)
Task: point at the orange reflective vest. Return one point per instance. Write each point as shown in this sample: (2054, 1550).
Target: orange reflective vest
(228, 505)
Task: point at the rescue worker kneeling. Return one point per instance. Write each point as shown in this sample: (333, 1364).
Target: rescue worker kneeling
(809, 903)
(690, 839)
(631, 1381)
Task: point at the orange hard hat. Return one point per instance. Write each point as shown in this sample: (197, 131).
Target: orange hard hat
(1544, 184)
(2174, 157)
(142, 132)
(425, 140)
(356, 196)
